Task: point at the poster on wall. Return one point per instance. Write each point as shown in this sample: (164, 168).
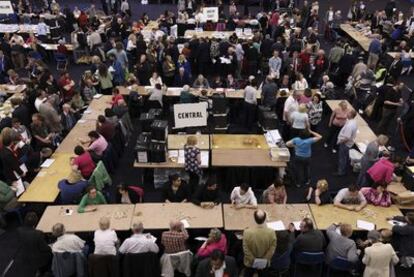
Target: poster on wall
(190, 115)
(211, 14)
(6, 7)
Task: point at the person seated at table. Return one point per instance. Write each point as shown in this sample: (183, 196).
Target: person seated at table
(217, 265)
(319, 195)
(340, 244)
(91, 198)
(72, 187)
(201, 82)
(105, 128)
(381, 172)
(208, 195)
(174, 240)
(155, 79)
(275, 193)
(176, 190)
(216, 241)
(116, 96)
(186, 96)
(139, 242)
(350, 198)
(377, 195)
(243, 197)
(309, 239)
(105, 239)
(127, 194)
(83, 162)
(66, 242)
(97, 145)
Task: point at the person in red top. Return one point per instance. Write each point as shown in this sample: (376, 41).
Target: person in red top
(304, 57)
(67, 85)
(116, 96)
(83, 19)
(62, 49)
(216, 240)
(83, 162)
(381, 172)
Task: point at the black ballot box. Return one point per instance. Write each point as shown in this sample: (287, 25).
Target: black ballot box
(146, 119)
(159, 130)
(158, 152)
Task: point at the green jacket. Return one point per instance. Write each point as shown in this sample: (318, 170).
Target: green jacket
(100, 177)
(98, 200)
(6, 194)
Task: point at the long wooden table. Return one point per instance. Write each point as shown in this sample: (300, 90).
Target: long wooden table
(12, 89)
(327, 214)
(364, 134)
(120, 216)
(159, 215)
(176, 142)
(240, 219)
(363, 41)
(215, 34)
(44, 186)
(242, 151)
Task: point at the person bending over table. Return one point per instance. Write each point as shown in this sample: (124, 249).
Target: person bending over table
(97, 145)
(176, 190)
(377, 195)
(350, 198)
(83, 162)
(243, 197)
(320, 194)
(208, 195)
(92, 197)
(275, 193)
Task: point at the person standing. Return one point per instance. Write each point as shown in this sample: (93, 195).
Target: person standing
(259, 244)
(392, 101)
(346, 139)
(192, 165)
(340, 244)
(336, 122)
(302, 145)
(250, 103)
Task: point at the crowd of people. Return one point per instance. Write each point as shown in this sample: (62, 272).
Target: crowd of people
(284, 61)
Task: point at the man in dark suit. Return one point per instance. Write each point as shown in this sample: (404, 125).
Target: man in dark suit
(34, 252)
(8, 158)
(396, 67)
(20, 111)
(5, 64)
(217, 265)
(309, 240)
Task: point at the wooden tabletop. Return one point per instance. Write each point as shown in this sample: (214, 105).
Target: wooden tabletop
(239, 142)
(44, 187)
(243, 158)
(214, 34)
(176, 142)
(325, 215)
(120, 216)
(169, 163)
(363, 41)
(53, 47)
(79, 131)
(159, 215)
(11, 89)
(240, 219)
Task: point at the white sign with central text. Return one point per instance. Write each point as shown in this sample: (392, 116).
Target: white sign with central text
(190, 115)
(211, 13)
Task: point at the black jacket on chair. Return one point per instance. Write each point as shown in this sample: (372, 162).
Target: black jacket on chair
(103, 266)
(147, 264)
(10, 164)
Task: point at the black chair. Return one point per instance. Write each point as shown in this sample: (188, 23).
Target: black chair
(310, 259)
(279, 266)
(103, 266)
(147, 264)
(340, 264)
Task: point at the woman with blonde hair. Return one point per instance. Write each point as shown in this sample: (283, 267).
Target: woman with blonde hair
(105, 239)
(336, 122)
(320, 194)
(192, 165)
(300, 120)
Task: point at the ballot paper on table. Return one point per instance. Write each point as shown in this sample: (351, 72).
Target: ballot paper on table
(185, 223)
(362, 147)
(97, 96)
(276, 225)
(365, 225)
(259, 263)
(297, 225)
(48, 163)
(19, 187)
(81, 121)
(23, 168)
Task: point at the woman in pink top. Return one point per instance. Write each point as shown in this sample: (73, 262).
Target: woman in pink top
(216, 240)
(378, 196)
(98, 143)
(336, 122)
(381, 171)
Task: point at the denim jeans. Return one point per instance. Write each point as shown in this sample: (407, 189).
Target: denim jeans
(302, 168)
(343, 158)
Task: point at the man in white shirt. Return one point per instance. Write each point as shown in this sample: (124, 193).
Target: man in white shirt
(243, 197)
(42, 30)
(66, 242)
(275, 63)
(105, 239)
(291, 105)
(346, 139)
(139, 242)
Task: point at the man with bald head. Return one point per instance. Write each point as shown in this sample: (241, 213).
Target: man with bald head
(174, 240)
(139, 242)
(259, 243)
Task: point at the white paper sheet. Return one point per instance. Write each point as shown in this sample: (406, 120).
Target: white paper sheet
(97, 96)
(48, 163)
(20, 187)
(297, 225)
(185, 223)
(204, 158)
(276, 225)
(365, 225)
(200, 238)
(259, 263)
